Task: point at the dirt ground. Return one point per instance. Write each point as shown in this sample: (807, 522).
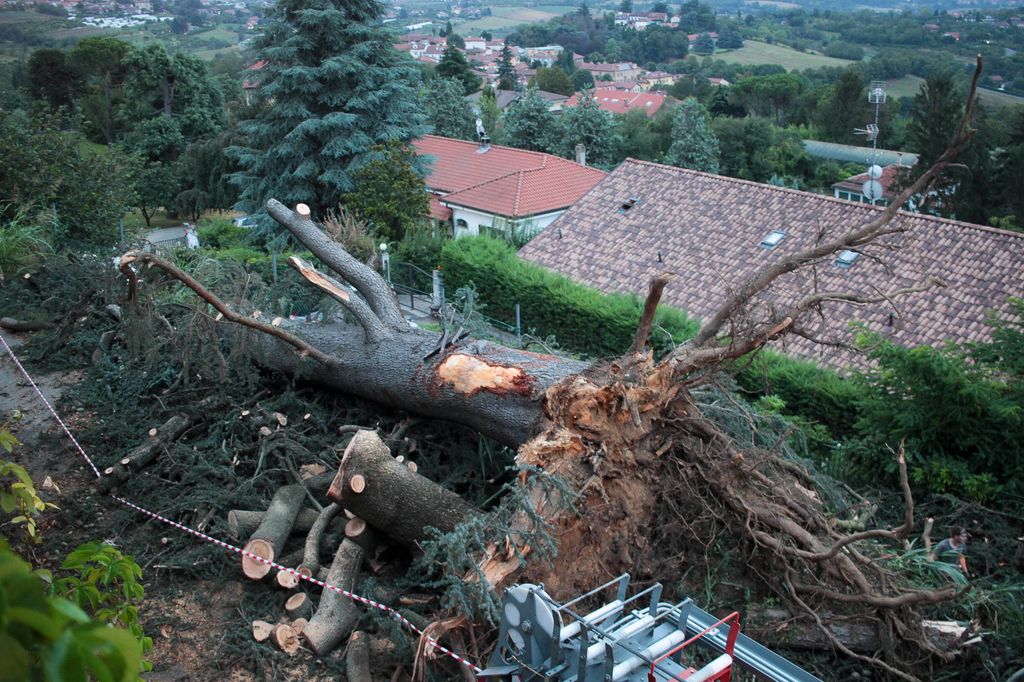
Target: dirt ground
(189, 619)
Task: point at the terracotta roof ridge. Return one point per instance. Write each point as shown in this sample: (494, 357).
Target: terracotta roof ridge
(493, 146)
(519, 193)
(823, 197)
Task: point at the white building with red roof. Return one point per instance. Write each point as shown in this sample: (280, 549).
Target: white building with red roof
(492, 189)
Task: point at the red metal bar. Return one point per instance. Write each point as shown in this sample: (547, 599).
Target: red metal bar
(730, 644)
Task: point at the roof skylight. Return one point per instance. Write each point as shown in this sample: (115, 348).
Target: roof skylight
(846, 258)
(628, 204)
(773, 239)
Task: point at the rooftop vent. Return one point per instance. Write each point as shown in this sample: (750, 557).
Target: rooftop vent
(628, 204)
(773, 239)
(846, 258)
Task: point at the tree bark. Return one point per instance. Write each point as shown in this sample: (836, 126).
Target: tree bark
(268, 540)
(399, 502)
(242, 523)
(299, 605)
(357, 660)
(143, 454)
(336, 614)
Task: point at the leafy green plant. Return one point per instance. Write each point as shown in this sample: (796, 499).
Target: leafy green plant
(105, 583)
(19, 496)
(45, 637)
(22, 242)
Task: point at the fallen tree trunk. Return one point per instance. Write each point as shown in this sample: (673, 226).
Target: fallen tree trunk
(242, 523)
(357, 660)
(373, 485)
(13, 325)
(336, 615)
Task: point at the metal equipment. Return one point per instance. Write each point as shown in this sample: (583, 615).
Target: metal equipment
(627, 639)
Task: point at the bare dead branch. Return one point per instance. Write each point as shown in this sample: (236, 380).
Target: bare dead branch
(657, 286)
(221, 307)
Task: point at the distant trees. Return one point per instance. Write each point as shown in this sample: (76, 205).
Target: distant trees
(694, 144)
(311, 133)
(704, 44)
(453, 65)
(169, 101)
(506, 71)
(447, 110)
(528, 124)
(587, 124)
(51, 78)
(552, 79)
(843, 108)
(391, 195)
(100, 65)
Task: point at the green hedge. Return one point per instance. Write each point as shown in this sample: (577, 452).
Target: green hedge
(809, 391)
(582, 320)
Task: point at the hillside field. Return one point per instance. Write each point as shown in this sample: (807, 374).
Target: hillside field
(754, 52)
(505, 18)
(908, 86)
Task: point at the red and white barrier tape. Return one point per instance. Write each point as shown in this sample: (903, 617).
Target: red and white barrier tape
(227, 546)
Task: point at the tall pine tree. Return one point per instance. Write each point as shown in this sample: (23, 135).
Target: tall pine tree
(333, 92)
(694, 144)
(506, 71)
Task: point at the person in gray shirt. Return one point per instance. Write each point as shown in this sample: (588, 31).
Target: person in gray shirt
(952, 549)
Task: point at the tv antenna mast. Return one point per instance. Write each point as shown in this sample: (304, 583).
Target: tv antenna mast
(872, 189)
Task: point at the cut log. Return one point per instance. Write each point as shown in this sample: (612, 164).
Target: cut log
(336, 614)
(143, 454)
(399, 502)
(299, 605)
(357, 660)
(242, 523)
(268, 540)
(299, 624)
(13, 325)
(261, 630)
(285, 638)
(358, 531)
(311, 553)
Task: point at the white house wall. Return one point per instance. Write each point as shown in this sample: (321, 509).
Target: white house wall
(474, 220)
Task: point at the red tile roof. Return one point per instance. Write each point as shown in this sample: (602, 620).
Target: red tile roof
(616, 101)
(708, 229)
(856, 183)
(503, 180)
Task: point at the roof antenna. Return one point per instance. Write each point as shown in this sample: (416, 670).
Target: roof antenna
(481, 133)
(659, 258)
(872, 188)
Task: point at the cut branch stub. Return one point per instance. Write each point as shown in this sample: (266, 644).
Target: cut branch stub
(242, 523)
(268, 540)
(392, 498)
(143, 454)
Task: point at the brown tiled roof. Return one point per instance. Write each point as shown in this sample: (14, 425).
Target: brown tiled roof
(855, 183)
(503, 180)
(708, 230)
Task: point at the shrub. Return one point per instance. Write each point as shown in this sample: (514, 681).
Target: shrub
(22, 243)
(582, 319)
(221, 233)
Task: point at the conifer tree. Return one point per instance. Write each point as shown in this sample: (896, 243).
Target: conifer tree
(333, 89)
(589, 125)
(529, 124)
(694, 144)
(506, 72)
(453, 64)
(447, 110)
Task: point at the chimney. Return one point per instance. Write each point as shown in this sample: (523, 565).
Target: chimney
(581, 155)
(485, 145)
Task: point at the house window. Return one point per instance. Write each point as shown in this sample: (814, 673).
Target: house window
(846, 258)
(773, 239)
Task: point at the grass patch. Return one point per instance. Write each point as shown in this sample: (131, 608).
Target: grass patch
(754, 52)
(22, 17)
(908, 86)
